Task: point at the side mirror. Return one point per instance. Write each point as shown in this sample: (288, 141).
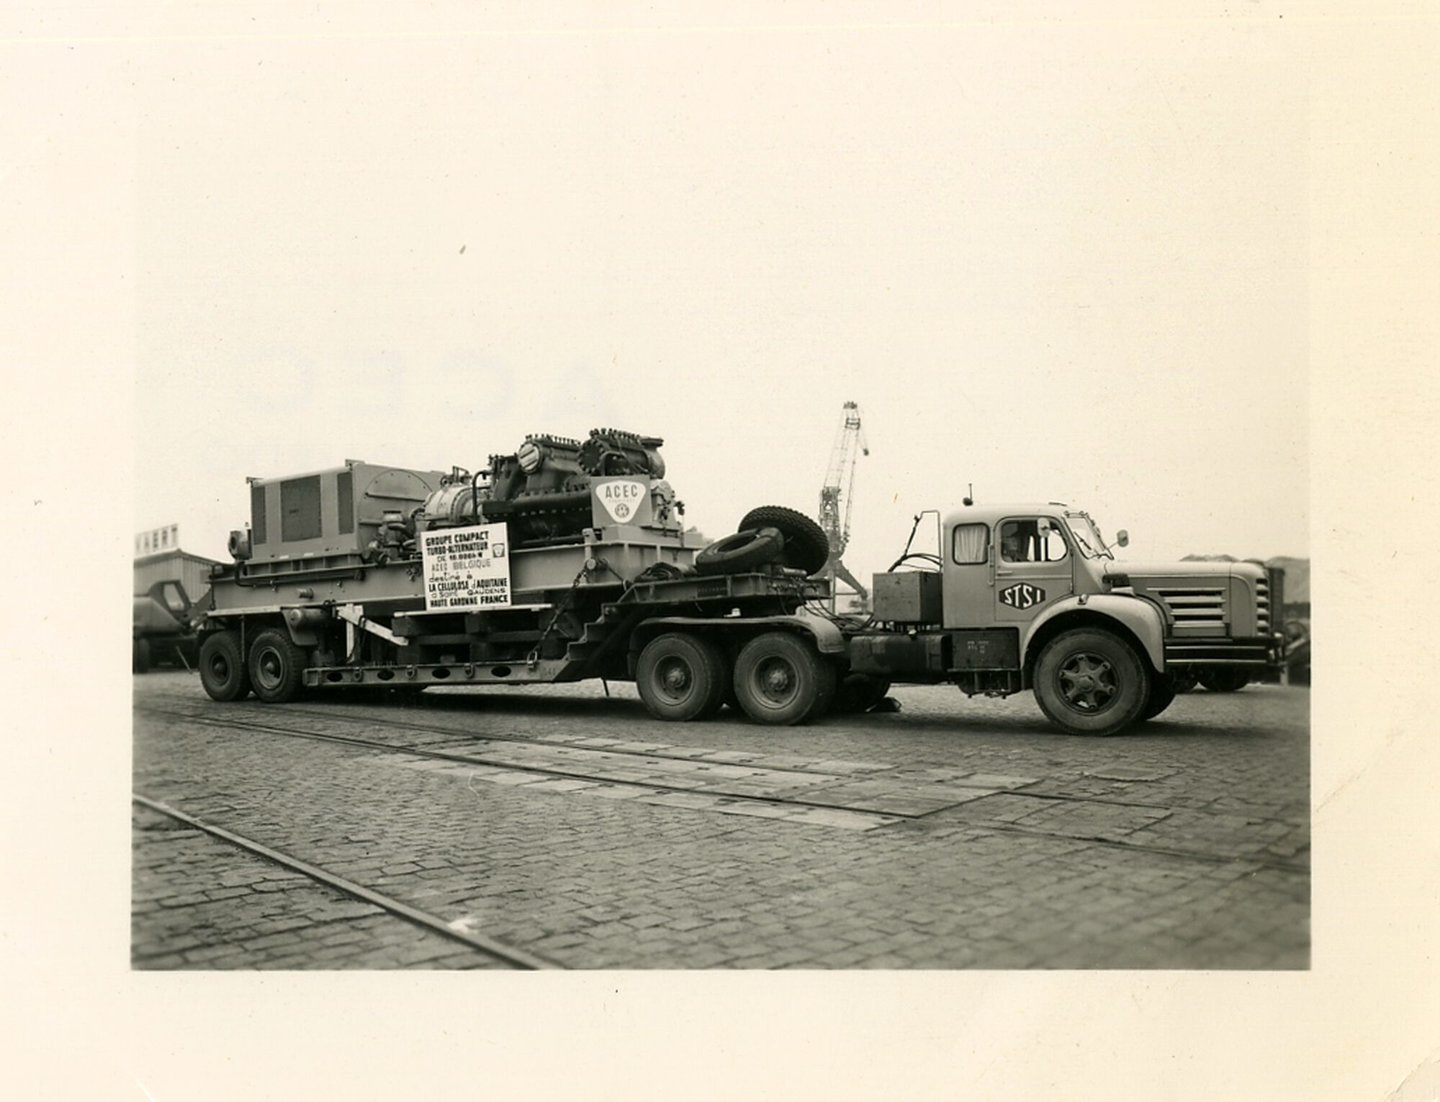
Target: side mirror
(1122, 538)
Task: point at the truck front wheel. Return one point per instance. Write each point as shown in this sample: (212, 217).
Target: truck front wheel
(277, 667)
(1090, 682)
(780, 678)
(681, 677)
(222, 668)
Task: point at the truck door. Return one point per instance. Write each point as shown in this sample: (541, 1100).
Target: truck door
(969, 596)
(1032, 568)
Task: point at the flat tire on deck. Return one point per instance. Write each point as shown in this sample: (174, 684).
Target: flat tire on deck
(745, 550)
(681, 677)
(781, 679)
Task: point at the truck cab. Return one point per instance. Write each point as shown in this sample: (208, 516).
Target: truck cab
(1030, 596)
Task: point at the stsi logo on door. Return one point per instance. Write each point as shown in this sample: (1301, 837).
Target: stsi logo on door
(1022, 596)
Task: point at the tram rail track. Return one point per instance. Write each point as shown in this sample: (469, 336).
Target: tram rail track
(498, 950)
(481, 760)
(496, 762)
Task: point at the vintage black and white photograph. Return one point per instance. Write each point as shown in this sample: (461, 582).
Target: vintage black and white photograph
(649, 501)
(792, 493)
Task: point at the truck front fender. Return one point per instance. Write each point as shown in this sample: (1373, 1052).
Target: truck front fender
(1140, 618)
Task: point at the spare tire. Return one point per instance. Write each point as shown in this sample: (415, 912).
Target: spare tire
(741, 552)
(807, 547)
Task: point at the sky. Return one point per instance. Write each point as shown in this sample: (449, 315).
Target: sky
(1052, 259)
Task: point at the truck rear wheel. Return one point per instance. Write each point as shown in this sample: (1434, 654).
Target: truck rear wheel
(1163, 687)
(277, 667)
(681, 677)
(859, 692)
(140, 655)
(1225, 679)
(222, 668)
(1090, 682)
(781, 678)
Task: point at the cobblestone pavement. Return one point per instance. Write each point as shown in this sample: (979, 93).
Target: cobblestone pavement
(954, 834)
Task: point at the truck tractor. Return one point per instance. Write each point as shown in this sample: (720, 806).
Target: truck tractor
(568, 560)
(1031, 597)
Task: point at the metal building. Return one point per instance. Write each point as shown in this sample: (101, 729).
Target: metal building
(191, 571)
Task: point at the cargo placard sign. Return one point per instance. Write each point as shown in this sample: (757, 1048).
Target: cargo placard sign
(466, 568)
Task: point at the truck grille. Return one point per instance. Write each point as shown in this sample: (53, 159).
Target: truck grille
(1195, 607)
(1262, 606)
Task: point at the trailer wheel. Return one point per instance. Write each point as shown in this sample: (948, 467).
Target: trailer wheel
(222, 669)
(140, 655)
(806, 545)
(276, 667)
(743, 551)
(1225, 679)
(1090, 682)
(681, 677)
(781, 679)
(1162, 694)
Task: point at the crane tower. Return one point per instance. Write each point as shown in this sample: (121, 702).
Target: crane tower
(837, 498)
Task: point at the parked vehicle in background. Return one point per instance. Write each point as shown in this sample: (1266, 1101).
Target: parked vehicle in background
(163, 628)
(169, 586)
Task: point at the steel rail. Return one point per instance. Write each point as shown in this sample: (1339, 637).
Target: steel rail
(567, 774)
(524, 740)
(511, 955)
(439, 729)
(1133, 847)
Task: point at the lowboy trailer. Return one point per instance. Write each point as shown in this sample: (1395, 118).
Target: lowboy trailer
(568, 560)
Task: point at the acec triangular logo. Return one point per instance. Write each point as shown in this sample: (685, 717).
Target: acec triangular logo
(622, 498)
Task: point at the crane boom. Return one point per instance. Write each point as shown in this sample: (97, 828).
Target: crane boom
(837, 495)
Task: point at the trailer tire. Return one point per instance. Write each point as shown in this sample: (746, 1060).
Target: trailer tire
(743, 551)
(140, 656)
(1225, 679)
(1163, 687)
(807, 547)
(781, 679)
(1091, 682)
(277, 667)
(222, 667)
(681, 677)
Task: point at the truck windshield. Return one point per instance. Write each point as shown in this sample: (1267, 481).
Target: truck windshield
(1087, 537)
